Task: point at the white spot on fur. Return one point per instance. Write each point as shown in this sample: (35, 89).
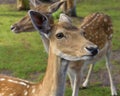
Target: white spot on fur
(17, 82)
(28, 86)
(22, 83)
(2, 79)
(25, 92)
(105, 20)
(1, 94)
(33, 91)
(11, 94)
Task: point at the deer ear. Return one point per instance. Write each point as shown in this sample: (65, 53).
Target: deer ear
(64, 18)
(35, 3)
(40, 22)
(55, 6)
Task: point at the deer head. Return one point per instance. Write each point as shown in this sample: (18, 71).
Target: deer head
(66, 40)
(25, 24)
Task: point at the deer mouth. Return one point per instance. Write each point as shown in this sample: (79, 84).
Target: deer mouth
(14, 29)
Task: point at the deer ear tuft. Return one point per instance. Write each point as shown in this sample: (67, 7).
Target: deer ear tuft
(55, 6)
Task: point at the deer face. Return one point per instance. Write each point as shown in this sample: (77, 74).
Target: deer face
(65, 40)
(25, 24)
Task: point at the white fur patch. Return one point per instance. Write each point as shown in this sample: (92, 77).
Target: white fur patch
(2, 79)
(33, 91)
(17, 82)
(71, 58)
(25, 92)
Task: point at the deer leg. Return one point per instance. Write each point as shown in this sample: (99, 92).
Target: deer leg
(71, 75)
(75, 78)
(85, 83)
(113, 89)
(76, 84)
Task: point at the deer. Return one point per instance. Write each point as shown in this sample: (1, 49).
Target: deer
(64, 46)
(25, 25)
(69, 8)
(72, 70)
(97, 28)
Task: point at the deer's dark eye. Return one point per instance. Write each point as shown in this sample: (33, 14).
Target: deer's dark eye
(84, 33)
(59, 35)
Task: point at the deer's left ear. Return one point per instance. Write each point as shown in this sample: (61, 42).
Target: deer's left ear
(40, 22)
(55, 6)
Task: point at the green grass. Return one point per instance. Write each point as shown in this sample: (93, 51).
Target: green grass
(23, 55)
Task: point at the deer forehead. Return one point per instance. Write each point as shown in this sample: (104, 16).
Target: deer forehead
(65, 28)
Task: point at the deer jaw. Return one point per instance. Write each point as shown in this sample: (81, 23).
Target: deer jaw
(25, 24)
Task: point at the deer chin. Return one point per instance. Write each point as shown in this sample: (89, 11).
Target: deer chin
(74, 58)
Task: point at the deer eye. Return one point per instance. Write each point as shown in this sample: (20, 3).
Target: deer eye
(83, 33)
(59, 35)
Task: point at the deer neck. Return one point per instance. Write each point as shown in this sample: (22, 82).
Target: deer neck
(45, 43)
(54, 81)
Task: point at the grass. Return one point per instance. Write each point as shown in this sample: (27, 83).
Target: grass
(22, 55)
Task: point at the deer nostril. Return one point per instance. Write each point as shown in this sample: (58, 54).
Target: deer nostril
(12, 27)
(93, 50)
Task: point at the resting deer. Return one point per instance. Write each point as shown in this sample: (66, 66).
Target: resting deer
(95, 18)
(63, 47)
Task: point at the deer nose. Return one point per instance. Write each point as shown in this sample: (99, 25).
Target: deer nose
(92, 50)
(12, 27)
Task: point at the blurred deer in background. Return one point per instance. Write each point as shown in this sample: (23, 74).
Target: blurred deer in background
(69, 7)
(25, 24)
(64, 46)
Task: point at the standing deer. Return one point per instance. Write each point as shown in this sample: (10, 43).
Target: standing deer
(97, 28)
(63, 47)
(102, 31)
